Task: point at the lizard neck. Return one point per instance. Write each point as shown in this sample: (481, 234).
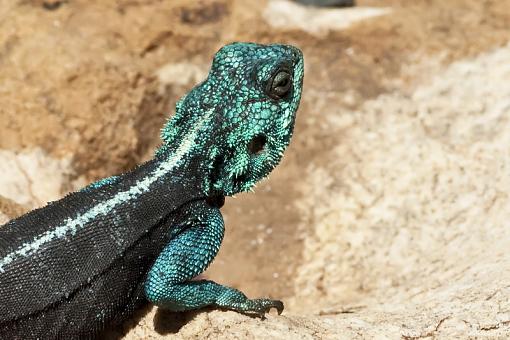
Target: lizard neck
(186, 153)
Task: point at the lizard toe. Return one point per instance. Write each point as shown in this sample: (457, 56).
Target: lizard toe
(263, 306)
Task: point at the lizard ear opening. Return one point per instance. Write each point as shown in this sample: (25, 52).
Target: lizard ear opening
(257, 144)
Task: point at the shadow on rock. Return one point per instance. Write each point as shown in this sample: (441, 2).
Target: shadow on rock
(167, 322)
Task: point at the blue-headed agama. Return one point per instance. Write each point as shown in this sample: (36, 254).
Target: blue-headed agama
(87, 261)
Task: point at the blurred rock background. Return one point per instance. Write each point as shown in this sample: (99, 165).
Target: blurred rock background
(389, 216)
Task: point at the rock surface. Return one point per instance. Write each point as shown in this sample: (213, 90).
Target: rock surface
(285, 14)
(388, 217)
(32, 178)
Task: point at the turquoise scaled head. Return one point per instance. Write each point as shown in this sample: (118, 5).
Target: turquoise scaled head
(249, 99)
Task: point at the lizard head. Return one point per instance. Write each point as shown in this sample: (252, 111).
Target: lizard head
(248, 102)
(258, 89)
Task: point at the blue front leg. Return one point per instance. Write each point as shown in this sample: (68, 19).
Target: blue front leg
(187, 255)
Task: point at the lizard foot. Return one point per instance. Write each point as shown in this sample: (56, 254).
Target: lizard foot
(233, 299)
(259, 307)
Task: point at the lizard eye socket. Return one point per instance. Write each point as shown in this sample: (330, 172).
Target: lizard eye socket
(279, 85)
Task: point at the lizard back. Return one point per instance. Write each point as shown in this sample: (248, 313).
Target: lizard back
(50, 253)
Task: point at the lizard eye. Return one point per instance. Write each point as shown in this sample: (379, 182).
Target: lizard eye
(279, 85)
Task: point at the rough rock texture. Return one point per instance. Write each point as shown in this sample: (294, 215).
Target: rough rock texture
(411, 213)
(9, 209)
(285, 14)
(32, 178)
(85, 72)
(389, 214)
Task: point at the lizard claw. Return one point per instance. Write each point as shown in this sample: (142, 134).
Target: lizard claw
(235, 300)
(262, 306)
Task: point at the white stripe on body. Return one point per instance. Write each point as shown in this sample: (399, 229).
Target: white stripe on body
(72, 225)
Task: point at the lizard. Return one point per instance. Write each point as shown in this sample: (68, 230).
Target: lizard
(89, 260)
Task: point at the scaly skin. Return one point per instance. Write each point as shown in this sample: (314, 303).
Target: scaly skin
(80, 264)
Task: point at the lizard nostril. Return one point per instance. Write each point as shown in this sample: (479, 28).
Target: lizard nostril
(257, 144)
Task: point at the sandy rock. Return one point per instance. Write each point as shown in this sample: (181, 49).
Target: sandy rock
(284, 14)
(32, 178)
(230, 325)
(3, 218)
(411, 214)
(10, 209)
(84, 74)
